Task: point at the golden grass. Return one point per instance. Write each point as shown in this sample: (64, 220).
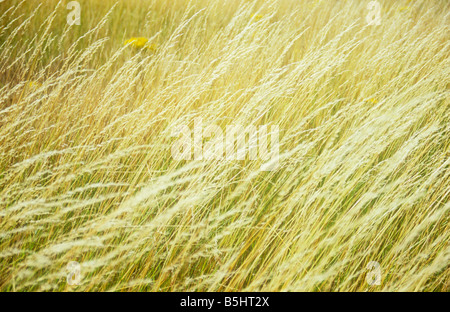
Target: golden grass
(86, 172)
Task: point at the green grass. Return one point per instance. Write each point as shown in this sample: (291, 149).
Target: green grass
(87, 175)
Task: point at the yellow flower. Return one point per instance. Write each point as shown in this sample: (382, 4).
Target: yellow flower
(137, 43)
(34, 84)
(151, 47)
(372, 100)
(405, 8)
(256, 17)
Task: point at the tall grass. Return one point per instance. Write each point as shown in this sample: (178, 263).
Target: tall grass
(87, 175)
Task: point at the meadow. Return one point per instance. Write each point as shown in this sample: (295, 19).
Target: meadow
(92, 199)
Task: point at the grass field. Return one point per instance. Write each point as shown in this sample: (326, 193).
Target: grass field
(92, 199)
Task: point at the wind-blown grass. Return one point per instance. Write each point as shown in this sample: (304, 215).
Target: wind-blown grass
(87, 175)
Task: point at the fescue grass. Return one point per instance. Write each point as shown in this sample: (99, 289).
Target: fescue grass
(87, 175)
